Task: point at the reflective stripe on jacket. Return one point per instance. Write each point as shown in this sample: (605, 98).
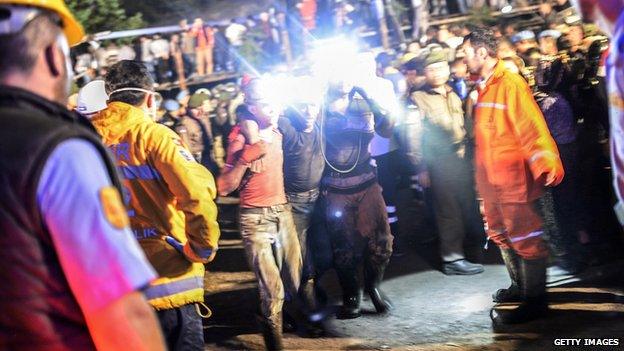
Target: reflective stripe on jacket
(513, 145)
(167, 194)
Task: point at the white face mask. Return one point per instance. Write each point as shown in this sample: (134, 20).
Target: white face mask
(152, 111)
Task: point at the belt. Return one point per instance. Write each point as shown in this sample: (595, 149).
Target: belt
(308, 193)
(362, 168)
(264, 210)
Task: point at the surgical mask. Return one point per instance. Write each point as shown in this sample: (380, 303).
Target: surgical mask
(156, 102)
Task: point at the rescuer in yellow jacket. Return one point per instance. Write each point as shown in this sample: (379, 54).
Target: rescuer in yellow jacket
(170, 200)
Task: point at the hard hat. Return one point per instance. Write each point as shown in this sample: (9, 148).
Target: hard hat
(203, 91)
(197, 100)
(92, 98)
(182, 95)
(171, 105)
(72, 29)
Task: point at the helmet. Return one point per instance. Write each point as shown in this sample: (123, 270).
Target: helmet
(72, 29)
(171, 105)
(92, 98)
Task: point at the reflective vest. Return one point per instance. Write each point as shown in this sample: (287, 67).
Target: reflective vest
(167, 194)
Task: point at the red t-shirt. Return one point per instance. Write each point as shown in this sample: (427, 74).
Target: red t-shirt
(266, 188)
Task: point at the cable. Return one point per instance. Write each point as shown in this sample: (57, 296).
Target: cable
(357, 159)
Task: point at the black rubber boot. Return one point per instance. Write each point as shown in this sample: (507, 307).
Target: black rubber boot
(271, 332)
(351, 294)
(313, 313)
(373, 275)
(534, 303)
(512, 293)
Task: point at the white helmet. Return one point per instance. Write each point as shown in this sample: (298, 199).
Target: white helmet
(92, 98)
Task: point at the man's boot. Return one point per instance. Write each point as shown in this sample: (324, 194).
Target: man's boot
(512, 293)
(351, 294)
(314, 315)
(271, 332)
(534, 303)
(373, 275)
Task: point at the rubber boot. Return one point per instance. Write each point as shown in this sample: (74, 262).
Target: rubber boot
(512, 293)
(351, 294)
(534, 303)
(373, 275)
(271, 332)
(314, 314)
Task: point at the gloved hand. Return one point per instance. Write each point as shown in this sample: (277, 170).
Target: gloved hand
(554, 177)
(552, 171)
(360, 91)
(253, 152)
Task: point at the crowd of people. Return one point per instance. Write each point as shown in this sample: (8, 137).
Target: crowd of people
(202, 48)
(504, 129)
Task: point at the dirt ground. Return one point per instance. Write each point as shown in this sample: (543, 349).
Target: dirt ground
(432, 311)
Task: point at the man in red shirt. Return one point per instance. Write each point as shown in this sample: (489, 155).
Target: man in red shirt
(254, 166)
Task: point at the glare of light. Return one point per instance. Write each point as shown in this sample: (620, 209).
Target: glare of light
(333, 59)
(338, 214)
(506, 9)
(475, 303)
(282, 90)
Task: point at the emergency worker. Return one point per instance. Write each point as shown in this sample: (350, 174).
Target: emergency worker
(356, 215)
(170, 199)
(515, 157)
(448, 172)
(254, 167)
(72, 275)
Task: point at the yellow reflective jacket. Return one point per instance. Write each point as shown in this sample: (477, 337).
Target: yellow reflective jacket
(167, 194)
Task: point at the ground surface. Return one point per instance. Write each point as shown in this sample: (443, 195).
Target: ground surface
(433, 311)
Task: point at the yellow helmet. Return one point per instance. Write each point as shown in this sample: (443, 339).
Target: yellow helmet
(72, 29)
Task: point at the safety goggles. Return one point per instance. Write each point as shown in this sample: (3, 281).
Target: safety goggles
(13, 19)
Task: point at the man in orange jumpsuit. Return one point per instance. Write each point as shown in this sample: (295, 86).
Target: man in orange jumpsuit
(515, 157)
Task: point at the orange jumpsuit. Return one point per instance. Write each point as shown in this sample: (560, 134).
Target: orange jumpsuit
(514, 151)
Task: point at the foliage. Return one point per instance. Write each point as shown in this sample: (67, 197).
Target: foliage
(482, 16)
(104, 15)
(250, 51)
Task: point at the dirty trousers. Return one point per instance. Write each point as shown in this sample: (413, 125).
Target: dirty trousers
(274, 255)
(358, 227)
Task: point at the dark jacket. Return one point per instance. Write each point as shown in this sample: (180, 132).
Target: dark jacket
(39, 310)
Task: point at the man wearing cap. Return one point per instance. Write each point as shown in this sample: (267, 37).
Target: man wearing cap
(173, 111)
(195, 130)
(548, 42)
(524, 41)
(515, 156)
(72, 273)
(448, 172)
(254, 166)
(170, 200)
